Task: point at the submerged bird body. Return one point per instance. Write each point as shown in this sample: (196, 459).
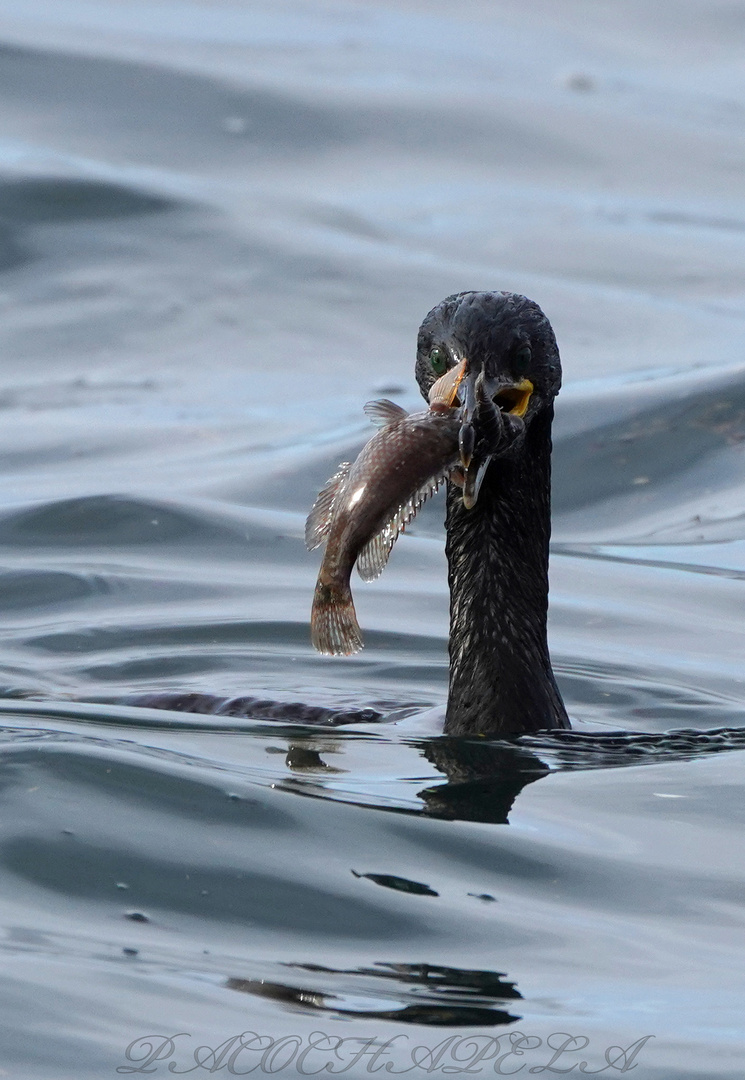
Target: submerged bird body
(362, 509)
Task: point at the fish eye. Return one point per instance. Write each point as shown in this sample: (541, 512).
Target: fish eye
(438, 358)
(521, 360)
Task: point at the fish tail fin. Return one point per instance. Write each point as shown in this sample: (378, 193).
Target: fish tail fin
(333, 623)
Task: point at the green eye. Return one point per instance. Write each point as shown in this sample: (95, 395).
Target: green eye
(438, 358)
(521, 360)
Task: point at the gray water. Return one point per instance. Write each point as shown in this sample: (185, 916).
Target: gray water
(220, 227)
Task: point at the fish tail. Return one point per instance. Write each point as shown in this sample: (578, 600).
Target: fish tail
(333, 623)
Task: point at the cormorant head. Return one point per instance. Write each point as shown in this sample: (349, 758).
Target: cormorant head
(512, 371)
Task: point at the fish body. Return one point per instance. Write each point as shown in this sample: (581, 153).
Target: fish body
(365, 505)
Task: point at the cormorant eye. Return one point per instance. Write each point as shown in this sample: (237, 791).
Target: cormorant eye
(438, 358)
(521, 360)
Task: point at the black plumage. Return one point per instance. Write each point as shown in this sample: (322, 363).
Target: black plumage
(501, 680)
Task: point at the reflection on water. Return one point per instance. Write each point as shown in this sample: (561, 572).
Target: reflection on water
(440, 996)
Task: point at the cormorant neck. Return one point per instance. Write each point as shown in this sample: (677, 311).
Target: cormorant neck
(501, 681)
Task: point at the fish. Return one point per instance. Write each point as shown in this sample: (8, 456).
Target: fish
(363, 508)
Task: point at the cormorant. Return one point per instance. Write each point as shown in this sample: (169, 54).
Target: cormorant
(498, 525)
(501, 680)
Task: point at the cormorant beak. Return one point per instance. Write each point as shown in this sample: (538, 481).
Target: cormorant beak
(481, 400)
(481, 397)
(467, 434)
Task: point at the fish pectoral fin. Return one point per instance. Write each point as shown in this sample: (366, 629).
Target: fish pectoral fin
(374, 555)
(384, 412)
(319, 519)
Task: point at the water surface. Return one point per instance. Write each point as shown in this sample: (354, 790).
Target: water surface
(220, 226)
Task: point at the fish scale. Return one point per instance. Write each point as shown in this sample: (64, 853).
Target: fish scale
(364, 507)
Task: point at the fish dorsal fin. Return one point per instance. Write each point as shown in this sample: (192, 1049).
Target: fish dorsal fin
(374, 555)
(319, 519)
(384, 412)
